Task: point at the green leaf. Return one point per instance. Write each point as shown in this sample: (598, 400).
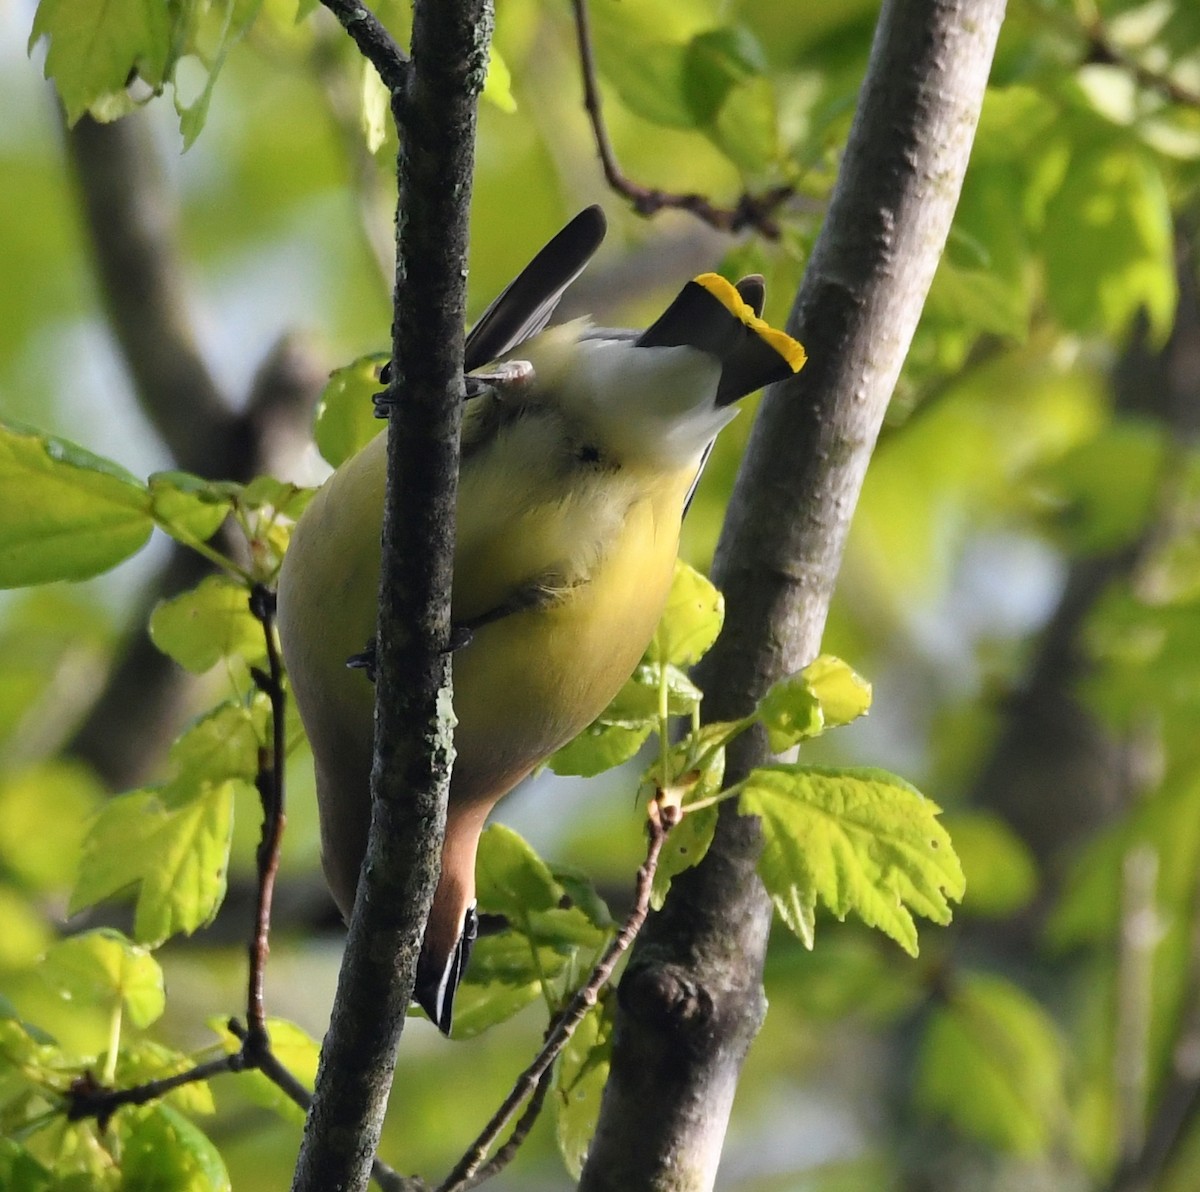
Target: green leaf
(1094, 515)
(43, 810)
(95, 47)
(547, 938)
(716, 63)
(684, 847)
(20, 1171)
(691, 619)
(295, 1049)
(579, 1081)
(221, 744)
(177, 857)
(637, 702)
(1002, 876)
(218, 27)
(346, 420)
(497, 87)
(164, 1152)
(825, 694)
(510, 878)
(188, 508)
(143, 1060)
(856, 840)
(210, 623)
(1109, 244)
(64, 513)
(600, 747)
(992, 1063)
(103, 966)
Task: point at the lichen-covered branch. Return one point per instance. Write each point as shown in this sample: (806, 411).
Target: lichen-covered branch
(412, 719)
(691, 1001)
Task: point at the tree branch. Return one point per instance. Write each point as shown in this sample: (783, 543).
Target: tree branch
(750, 211)
(413, 747)
(129, 217)
(691, 1001)
(374, 42)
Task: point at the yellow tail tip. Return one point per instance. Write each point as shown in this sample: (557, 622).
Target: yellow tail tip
(789, 349)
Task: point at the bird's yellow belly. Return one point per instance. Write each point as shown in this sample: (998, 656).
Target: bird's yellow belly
(529, 682)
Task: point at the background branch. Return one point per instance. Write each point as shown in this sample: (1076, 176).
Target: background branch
(130, 219)
(691, 1001)
(410, 775)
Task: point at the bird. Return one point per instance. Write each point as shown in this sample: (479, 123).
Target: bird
(581, 448)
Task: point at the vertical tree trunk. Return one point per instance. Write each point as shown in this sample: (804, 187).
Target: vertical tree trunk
(691, 1000)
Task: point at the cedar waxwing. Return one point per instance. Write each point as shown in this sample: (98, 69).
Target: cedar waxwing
(573, 485)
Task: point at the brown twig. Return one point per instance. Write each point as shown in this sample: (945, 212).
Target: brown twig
(375, 43)
(750, 211)
(533, 1082)
(270, 785)
(1103, 51)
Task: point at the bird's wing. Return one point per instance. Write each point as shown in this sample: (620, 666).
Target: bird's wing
(524, 307)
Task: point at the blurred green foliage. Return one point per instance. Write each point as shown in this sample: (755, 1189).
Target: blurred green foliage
(1042, 434)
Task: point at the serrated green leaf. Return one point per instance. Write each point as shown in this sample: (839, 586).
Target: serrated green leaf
(992, 1063)
(480, 1005)
(691, 619)
(844, 694)
(579, 1081)
(164, 1151)
(346, 420)
(176, 856)
(746, 129)
(186, 507)
(103, 966)
(95, 47)
(1001, 873)
(211, 622)
(217, 28)
(854, 840)
(221, 744)
(64, 512)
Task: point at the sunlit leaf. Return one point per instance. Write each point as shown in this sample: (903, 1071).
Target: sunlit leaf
(211, 622)
(853, 840)
(346, 419)
(94, 48)
(103, 966)
(163, 1150)
(64, 512)
(176, 856)
(691, 619)
(579, 1081)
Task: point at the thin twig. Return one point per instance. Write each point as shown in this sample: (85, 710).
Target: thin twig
(470, 1168)
(750, 211)
(1105, 52)
(375, 43)
(271, 791)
